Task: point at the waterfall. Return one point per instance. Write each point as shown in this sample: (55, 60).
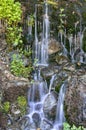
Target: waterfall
(60, 118)
(29, 26)
(37, 52)
(60, 112)
(71, 47)
(41, 48)
(38, 93)
(51, 82)
(63, 44)
(37, 96)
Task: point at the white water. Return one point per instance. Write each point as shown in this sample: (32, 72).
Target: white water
(41, 48)
(36, 98)
(29, 26)
(60, 118)
(63, 42)
(51, 82)
(71, 47)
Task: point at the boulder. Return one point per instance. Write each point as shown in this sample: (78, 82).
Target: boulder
(50, 70)
(49, 106)
(75, 100)
(54, 46)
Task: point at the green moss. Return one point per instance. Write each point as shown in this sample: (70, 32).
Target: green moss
(57, 88)
(6, 107)
(22, 103)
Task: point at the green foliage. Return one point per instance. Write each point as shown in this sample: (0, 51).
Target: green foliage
(52, 2)
(68, 127)
(17, 67)
(6, 107)
(10, 11)
(14, 35)
(22, 103)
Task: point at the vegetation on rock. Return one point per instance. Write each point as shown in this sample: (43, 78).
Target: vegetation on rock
(22, 103)
(69, 127)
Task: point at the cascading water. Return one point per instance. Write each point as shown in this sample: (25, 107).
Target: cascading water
(39, 93)
(63, 42)
(41, 48)
(60, 118)
(71, 47)
(37, 96)
(37, 52)
(51, 82)
(44, 48)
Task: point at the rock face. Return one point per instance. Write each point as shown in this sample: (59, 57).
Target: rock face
(75, 101)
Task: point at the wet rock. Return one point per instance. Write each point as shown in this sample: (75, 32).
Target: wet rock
(15, 112)
(80, 56)
(26, 124)
(36, 119)
(50, 70)
(15, 126)
(49, 106)
(75, 100)
(38, 106)
(61, 59)
(54, 46)
(46, 125)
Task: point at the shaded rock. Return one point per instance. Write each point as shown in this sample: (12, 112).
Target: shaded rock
(3, 121)
(15, 89)
(26, 124)
(36, 119)
(75, 101)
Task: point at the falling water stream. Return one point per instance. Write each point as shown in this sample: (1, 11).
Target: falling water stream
(41, 48)
(39, 91)
(37, 95)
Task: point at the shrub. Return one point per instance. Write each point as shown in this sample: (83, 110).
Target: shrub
(17, 67)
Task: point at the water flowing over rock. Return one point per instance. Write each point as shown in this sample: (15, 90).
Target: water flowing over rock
(49, 106)
(50, 70)
(75, 100)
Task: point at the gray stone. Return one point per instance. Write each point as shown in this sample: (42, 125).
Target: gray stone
(49, 106)
(75, 100)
